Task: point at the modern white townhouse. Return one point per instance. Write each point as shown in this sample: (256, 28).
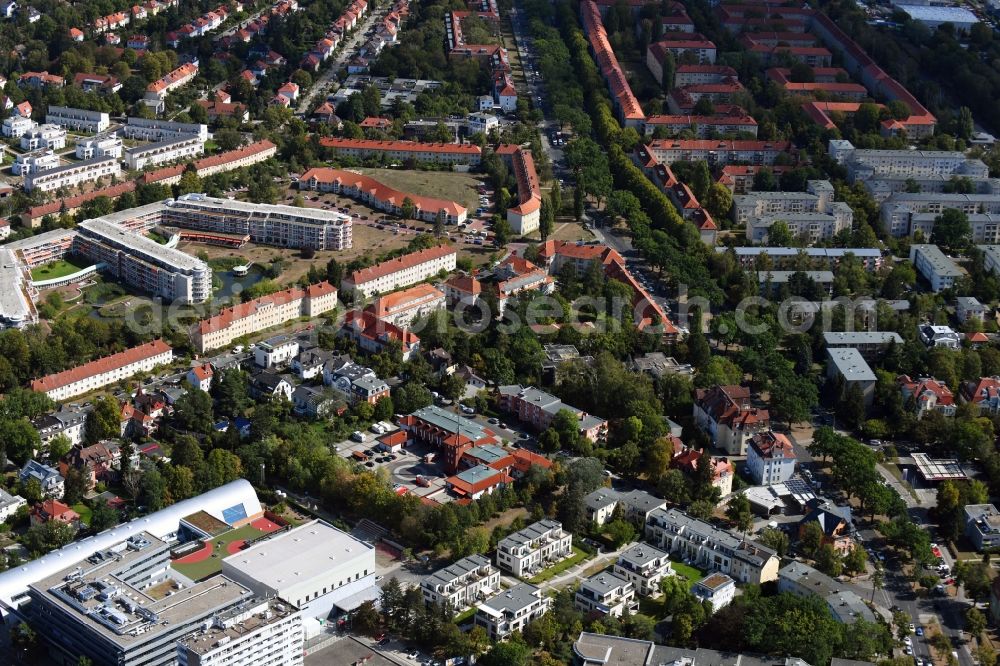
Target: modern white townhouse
(38, 161)
(940, 271)
(151, 129)
(711, 547)
(717, 589)
(47, 136)
(103, 145)
(533, 548)
(512, 610)
(607, 594)
(104, 371)
(163, 152)
(644, 566)
(79, 120)
(400, 272)
(74, 175)
(462, 584)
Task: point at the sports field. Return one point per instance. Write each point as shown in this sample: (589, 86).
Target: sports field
(208, 560)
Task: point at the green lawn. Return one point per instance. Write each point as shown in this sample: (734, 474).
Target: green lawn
(579, 555)
(465, 615)
(84, 511)
(199, 570)
(693, 575)
(59, 268)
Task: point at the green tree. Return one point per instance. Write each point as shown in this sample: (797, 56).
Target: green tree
(18, 440)
(407, 209)
(738, 512)
(775, 539)
(102, 516)
(718, 201)
(546, 219)
(103, 421)
(810, 538)
(828, 560)
(975, 622)
(952, 230)
(779, 235)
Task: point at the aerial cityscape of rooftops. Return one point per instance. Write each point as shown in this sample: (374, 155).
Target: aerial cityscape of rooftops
(442, 332)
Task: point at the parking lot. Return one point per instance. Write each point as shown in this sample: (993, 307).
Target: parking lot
(412, 461)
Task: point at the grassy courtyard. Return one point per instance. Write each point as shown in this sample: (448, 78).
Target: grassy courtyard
(460, 187)
(692, 574)
(579, 555)
(59, 268)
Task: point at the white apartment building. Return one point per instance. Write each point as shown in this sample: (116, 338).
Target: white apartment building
(400, 272)
(534, 548)
(67, 422)
(47, 136)
(607, 594)
(151, 129)
(770, 458)
(940, 271)
(991, 257)
(74, 175)
(402, 308)
(16, 126)
(712, 548)
(9, 504)
(104, 371)
(868, 343)
(903, 213)
(865, 164)
(279, 350)
(813, 214)
(104, 145)
(512, 610)
(716, 588)
(262, 631)
(80, 120)
(969, 307)
(644, 566)
(236, 159)
(142, 262)
(263, 313)
(26, 164)
(464, 583)
(163, 152)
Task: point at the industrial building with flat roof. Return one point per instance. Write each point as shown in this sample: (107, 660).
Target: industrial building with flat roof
(303, 565)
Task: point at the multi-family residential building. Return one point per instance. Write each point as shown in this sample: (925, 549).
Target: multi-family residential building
(982, 525)
(868, 343)
(143, 263)
(9, 504)
(373, 336)
(905, 213)
(103, 145)
(405, 151)
(523, 217)
(263, 631)
(263, 313)
(770, 458)
(400, 272)
(835, 524)
(864, 164)
(238, 158)
(636, 505)
(16, 126)
(703, 126)
(38, 161)
(940, 271)
(717, 589)
(80, 120)
(90, 121)
(607, 594)
(969, 308)
(74, 175)
(939, 336)
(276, 350)
(870, 258)
(512, 610)
(538, 408)
(104, 371)
(68, 422)
(47, 137)
(983, 394)
(402, 308)
(717, 152)
(687, 459)
(381, 196)
(535, 547)
(152, 129)
(928, 394)
(844, 604)
(687, 74)
(726, 415)
(51, 481)
(163, 152)
(157, 91)
(848, 365)
(812, 215)
(627, 107)
(645, 566)
(468, 581)
(711, 547)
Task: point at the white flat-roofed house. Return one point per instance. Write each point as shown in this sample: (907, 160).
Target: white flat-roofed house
(163, 152)
(16, 126)
(303, 565)
(279, 350)
(601, 505)
(717, 588)
(940, 271)
(462, 584)
(969, 308)
(38, 161)
(105, 145)
(47, 136)
(534, 547)
(80, 120)
(711, 547)
(512, 610)
(74, 175)
(608, 594)
(982, 525)
(9, 504)
(645, 566)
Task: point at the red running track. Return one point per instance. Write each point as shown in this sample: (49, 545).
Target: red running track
(197, 556)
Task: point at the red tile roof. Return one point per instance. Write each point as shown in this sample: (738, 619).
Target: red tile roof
(234, 155)
(400, 263)
(226, 317)
(101, 365)
(773, 445)
(399, 146)
(381, 191)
